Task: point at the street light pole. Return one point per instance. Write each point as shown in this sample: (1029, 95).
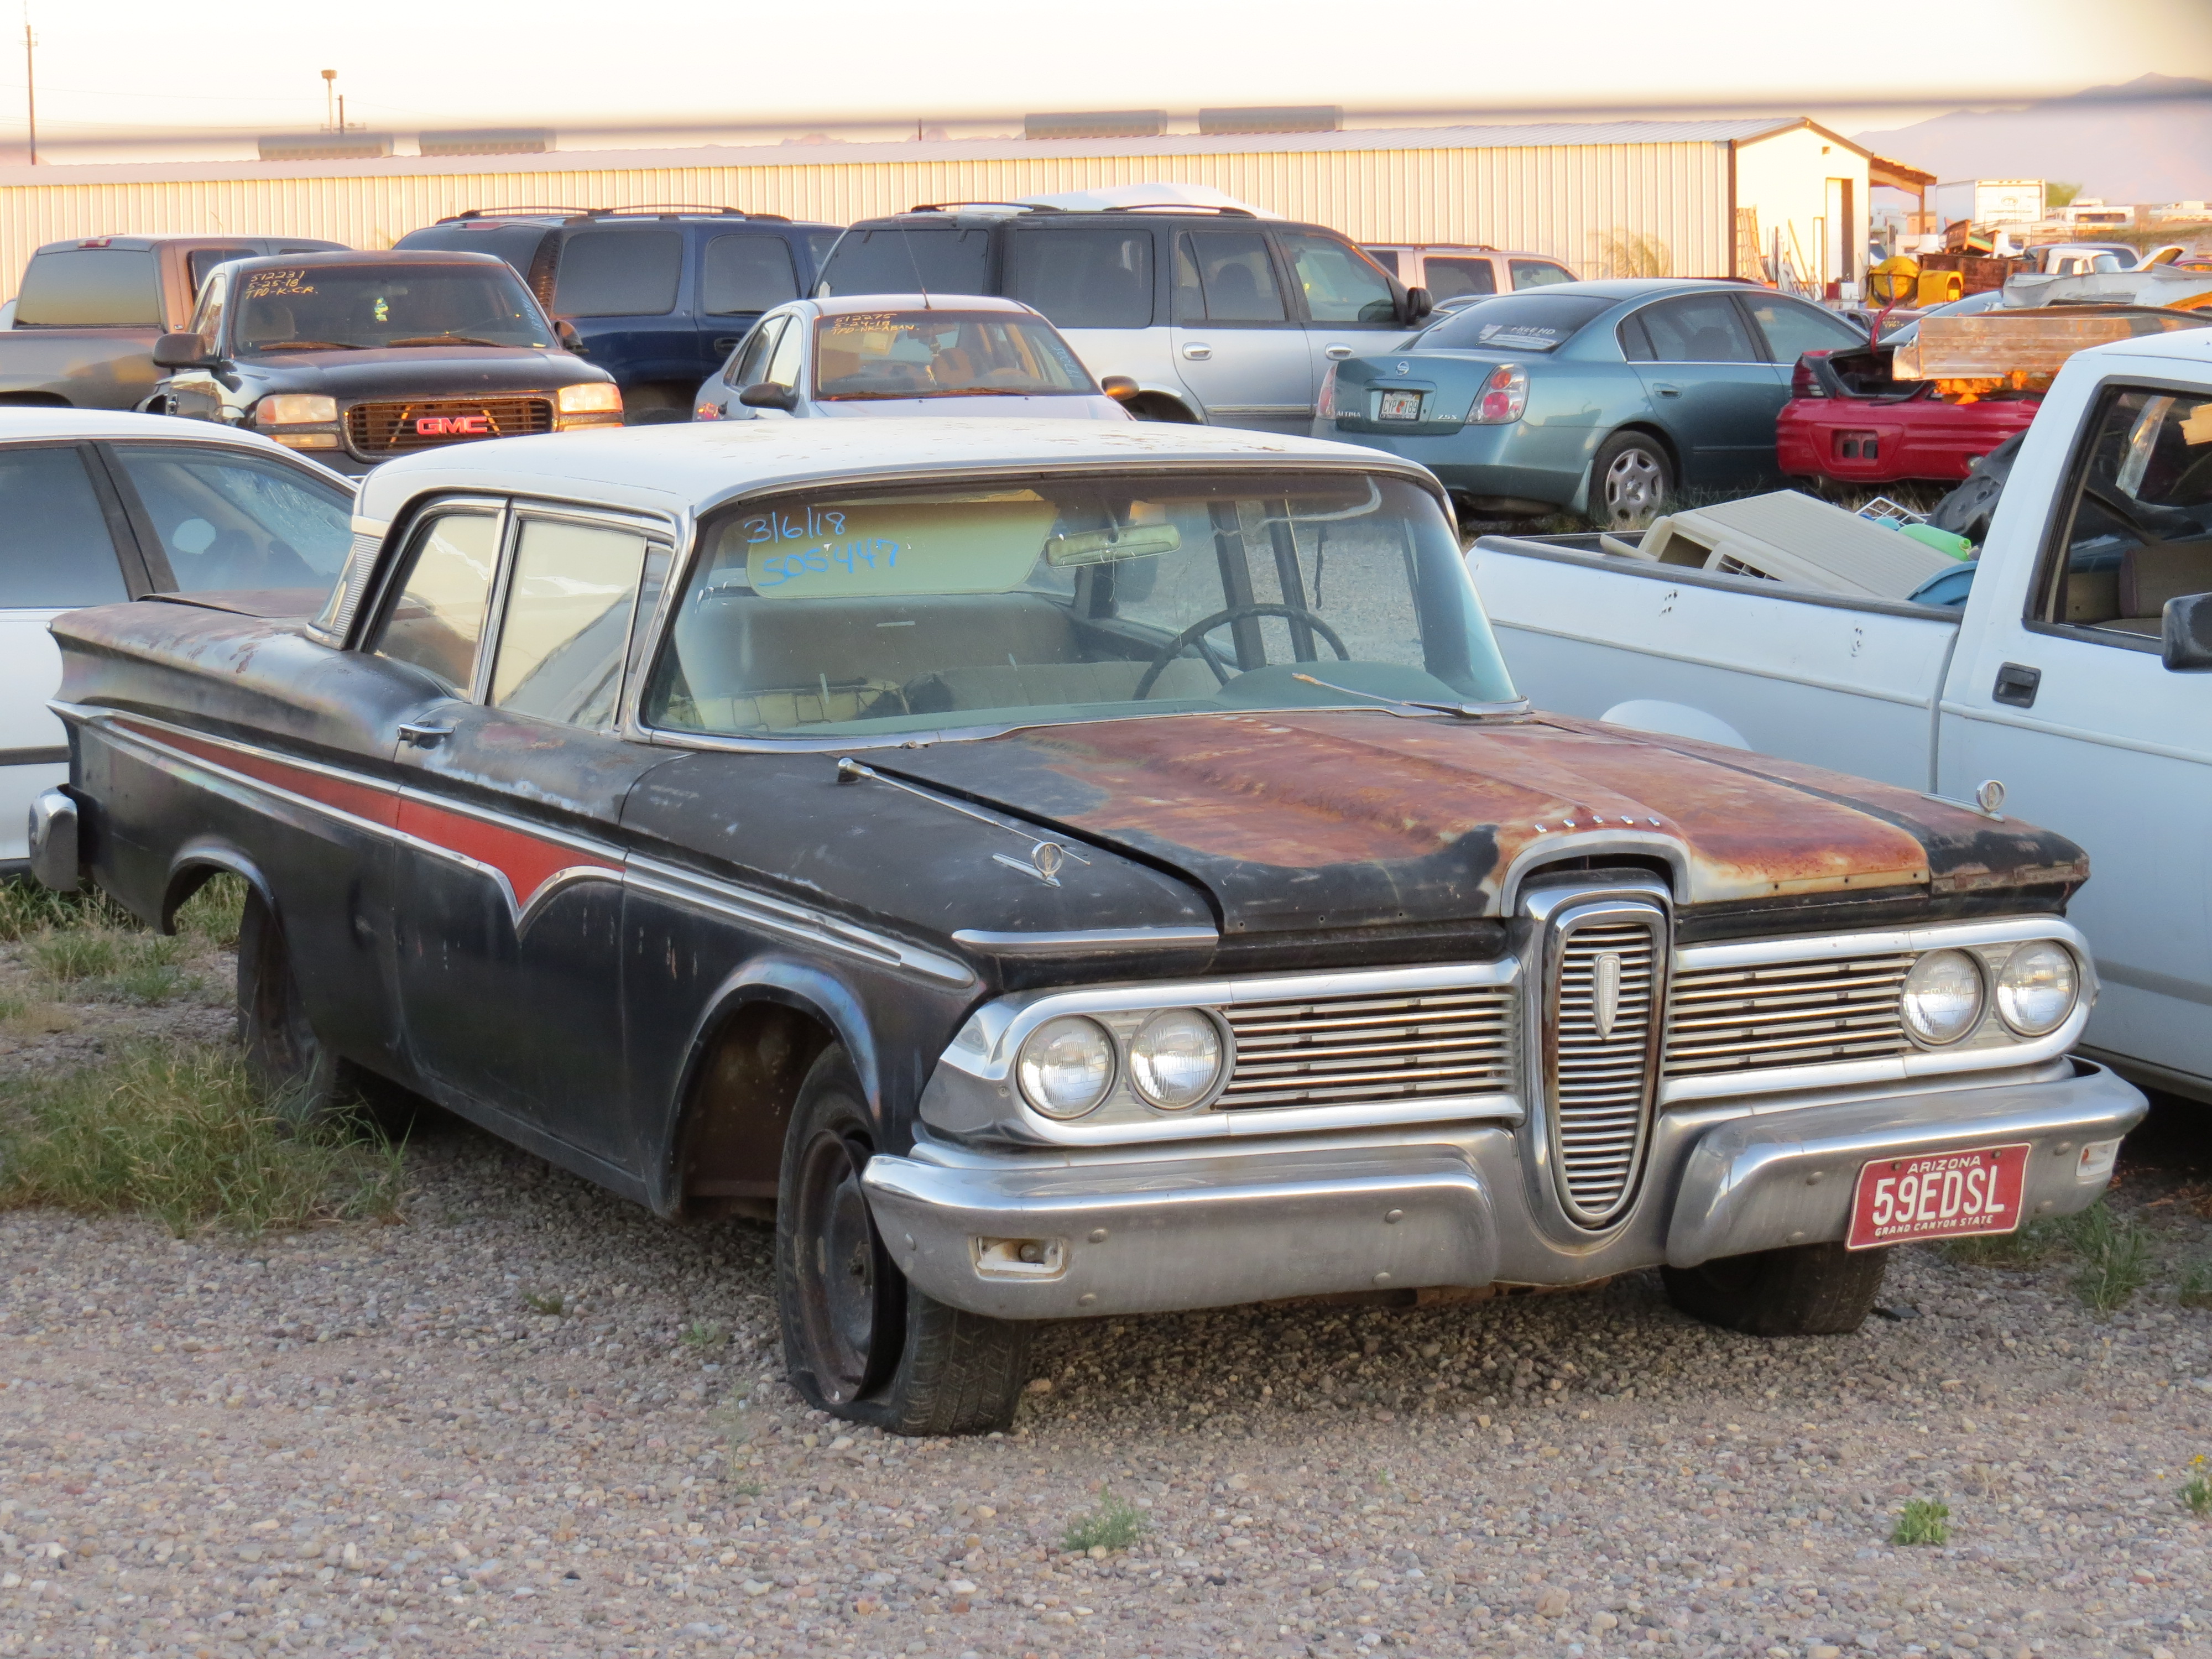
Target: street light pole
(30, 92)
(330, 87)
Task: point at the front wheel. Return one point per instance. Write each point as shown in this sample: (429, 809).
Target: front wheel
(1806, 1290)
(859, 1341)
(1632, 481)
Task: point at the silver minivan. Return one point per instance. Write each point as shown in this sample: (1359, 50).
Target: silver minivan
(1218, 315)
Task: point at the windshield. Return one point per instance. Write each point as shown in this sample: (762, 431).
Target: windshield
(364, 307)
(1530, 321)
(943, 354)
(848, 615)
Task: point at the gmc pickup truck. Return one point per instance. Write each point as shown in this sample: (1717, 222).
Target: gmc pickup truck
(89, 312)
(2069, 687)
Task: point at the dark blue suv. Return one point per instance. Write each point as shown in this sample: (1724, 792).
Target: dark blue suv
(657, 296)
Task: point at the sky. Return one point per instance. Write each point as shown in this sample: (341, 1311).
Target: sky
(143, 68)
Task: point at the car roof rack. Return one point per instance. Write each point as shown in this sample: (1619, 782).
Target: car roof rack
(955, 207)
(643, 210)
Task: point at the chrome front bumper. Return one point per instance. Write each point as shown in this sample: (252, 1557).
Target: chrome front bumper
(1131, 1232)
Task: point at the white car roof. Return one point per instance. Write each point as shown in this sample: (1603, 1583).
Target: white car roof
(682, 470)
(23, 422)
(2191, 346)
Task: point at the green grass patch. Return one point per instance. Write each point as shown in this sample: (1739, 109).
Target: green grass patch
(27, 907)
(2031, 1245)
(2194, 1290)
(2197, 1491)
(1113, 1525)
(183, 1134)
(2115, 1257)
(111, 965)
(705, 1335)
(1922, 1521)
(211, 915)
(546, 1302)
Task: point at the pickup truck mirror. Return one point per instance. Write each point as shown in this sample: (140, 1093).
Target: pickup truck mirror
(2185, 634)
(767, 394)
(1120, 387)
(182, 351)
(1417, 305)
(565, 332)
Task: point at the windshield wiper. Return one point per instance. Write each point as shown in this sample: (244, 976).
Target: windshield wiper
(307, 345)
(1466, 711)
(444, 339)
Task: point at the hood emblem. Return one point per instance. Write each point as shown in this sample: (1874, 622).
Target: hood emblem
(1046, 860)
(1604, 1004)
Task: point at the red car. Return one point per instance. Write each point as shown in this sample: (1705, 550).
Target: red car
(1848, 421)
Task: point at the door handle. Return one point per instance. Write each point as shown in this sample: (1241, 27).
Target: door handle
(2016, 685)
(1338, 352)
(727, 344)
(1197, 352)
(423, 737)
(1666, 390)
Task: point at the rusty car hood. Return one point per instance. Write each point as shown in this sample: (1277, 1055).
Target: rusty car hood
(1328, 819)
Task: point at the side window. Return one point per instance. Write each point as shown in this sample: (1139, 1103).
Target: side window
(58, 553)
(565, 631)
(437, 622)
(2137, 531)
(1537, 273)
(746, 273)
(1084, 278)
(1340, 286)
(207, 315)
(745, 367)
(202, 260)
(1224, 276)
(1447, 279)
(1696, 328)
(1792, 329)
(230, 520)
(1387, 257)
(619, 273)
(783, 362)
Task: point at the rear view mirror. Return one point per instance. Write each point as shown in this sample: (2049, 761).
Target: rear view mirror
(1120, 387)
(2185, 634)
(181, 351)
(767, 394)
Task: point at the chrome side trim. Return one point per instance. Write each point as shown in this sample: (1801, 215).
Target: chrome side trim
(789, 921)
(1083, 941)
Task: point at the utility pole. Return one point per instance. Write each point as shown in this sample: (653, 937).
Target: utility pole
(30, 87)
(330, 85)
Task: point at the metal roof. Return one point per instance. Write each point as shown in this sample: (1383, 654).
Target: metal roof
(1532, 136)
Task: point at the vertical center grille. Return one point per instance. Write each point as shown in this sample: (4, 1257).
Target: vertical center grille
(1601, 1060)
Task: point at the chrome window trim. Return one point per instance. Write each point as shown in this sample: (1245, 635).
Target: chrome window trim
(1081, 941)
(984, 1049)
(1970, 1054)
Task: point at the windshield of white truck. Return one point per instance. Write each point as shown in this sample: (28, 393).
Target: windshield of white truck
(91, 288)
(369, 307)
(1070, 599)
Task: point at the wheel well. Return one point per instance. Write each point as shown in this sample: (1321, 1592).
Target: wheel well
(40, 399)
(740, 1102)
(187, 879)
(1674, 456)
(1159, 406)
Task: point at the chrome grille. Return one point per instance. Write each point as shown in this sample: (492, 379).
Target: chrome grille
(1599, 1071)
(389, 428)
(1394, 1045)
(1785, 1013)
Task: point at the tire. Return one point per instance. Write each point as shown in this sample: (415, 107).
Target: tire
(859, 1341)
(1807, 1289)
(1632, 481)
(306, 1083)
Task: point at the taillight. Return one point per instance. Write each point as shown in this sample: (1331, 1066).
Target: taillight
(1503, 396)
(1804, 381)
(1326, 402)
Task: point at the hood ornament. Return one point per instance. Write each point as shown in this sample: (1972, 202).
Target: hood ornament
(1606, 1003)
(1046, 859)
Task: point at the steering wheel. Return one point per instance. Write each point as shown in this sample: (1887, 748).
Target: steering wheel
(1197, 631)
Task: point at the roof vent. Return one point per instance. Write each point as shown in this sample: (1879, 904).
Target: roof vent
(325, 146)
(487, 141)
(1097, 124)
(1289, 117)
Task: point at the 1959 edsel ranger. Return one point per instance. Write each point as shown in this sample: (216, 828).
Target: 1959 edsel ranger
(1069, 870)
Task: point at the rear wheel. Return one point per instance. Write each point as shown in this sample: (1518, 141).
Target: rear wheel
(1632, 481)
(859, 1341)
(306, 1083)
(1807, 1289)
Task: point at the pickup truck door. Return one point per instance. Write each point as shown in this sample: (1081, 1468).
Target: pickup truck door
(1706, 380)
(1237, 346)
(2064, 698)
(511, 781)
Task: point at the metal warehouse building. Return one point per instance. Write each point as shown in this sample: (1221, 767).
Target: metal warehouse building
(1686, 198)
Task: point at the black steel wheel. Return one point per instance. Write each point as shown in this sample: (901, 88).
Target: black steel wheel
(1806, 1290)
(859, 1341)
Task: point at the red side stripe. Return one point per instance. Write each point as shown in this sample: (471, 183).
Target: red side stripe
(363, 801)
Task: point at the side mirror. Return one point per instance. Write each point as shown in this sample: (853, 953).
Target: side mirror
(1418, 304)
(1120, 387)
(571, 342)
(2185, 634)
(767, 394)
(182, 351)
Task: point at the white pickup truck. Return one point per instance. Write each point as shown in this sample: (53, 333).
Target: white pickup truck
(2074, 675)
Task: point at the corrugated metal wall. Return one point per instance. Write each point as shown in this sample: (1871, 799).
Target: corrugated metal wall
(1571, 201)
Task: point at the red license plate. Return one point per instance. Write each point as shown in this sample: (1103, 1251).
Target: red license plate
(1938, 1195)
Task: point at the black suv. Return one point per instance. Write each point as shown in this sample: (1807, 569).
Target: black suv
(1216, 314)
(657, 296)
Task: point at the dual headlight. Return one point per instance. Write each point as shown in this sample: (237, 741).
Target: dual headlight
(1947, 992)
(1172, 1059)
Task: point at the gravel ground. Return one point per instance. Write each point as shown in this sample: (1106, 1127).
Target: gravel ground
(370, 1439)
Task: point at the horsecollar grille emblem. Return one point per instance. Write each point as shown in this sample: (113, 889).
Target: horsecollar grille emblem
(1607, 1008)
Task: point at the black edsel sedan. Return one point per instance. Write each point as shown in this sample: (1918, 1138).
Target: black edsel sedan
(1068, 868)
(355, 357)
